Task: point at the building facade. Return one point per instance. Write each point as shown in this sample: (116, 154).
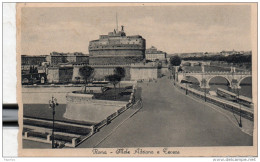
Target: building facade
(153, 54)
(33, 60)
(59, 74)
(74, 58)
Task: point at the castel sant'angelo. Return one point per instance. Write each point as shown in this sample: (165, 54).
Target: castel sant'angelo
(116, 48)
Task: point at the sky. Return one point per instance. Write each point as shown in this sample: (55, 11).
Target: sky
(173, 29)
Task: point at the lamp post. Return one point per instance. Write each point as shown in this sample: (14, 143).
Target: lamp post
(205, 95)
(204, 86)
(235, 85)
(240, 120)
(52, 104)
(186, 88)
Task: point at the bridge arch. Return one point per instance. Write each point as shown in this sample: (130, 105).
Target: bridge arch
(229, 81)
(191, 76)
(239, 82)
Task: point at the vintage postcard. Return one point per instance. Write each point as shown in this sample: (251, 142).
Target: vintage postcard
(137, 79)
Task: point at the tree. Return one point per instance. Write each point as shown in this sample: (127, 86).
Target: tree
(175, 61)
(77, 79)
(114, 79)
(31, 71)
(86, 72)
(120, 71)
(166, 61)
(35, 70)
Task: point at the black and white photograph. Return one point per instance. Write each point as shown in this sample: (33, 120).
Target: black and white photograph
(137, 79)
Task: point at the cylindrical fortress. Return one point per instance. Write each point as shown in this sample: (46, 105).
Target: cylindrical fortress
(116, 48)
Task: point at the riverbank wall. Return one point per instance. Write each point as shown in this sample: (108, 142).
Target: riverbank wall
(236, 108)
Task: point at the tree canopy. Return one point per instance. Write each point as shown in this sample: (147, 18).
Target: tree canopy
(33, 69)
(86, 72)
(114, 79)
(120, 71)
(229, 59)
(175, 60)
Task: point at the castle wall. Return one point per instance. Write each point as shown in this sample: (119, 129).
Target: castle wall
(143, 73)
(132, 72)
(100, 72)
(65, 74)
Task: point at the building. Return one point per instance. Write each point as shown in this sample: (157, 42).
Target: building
(116, 48)
(57, 58)
(82, 59)
(227, 53)
(153, 54)
(33, 60)
(73, 58)
(59, 74)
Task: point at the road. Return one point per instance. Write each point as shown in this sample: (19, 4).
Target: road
(171, 119)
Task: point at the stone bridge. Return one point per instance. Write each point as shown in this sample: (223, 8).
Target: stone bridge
(234, 78)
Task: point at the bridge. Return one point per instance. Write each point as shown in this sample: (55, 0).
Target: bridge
(234, 78)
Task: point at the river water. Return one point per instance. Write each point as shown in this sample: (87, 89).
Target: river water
(220, 82)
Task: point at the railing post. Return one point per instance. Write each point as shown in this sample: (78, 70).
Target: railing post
(73, 142)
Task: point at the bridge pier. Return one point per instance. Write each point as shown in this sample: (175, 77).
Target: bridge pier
(235, 87)
(204, 87)
(204, 83)
(235, 84)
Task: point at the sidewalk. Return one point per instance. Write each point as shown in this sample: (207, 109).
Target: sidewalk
(247, 125)
(107, 130)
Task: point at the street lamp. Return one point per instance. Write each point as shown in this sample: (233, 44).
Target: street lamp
(240, 121)
(52, 104)
(235, 85)
(204, 86)
(204, 82)
(186, 89)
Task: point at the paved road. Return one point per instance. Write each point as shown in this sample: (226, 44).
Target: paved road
(170, 119)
